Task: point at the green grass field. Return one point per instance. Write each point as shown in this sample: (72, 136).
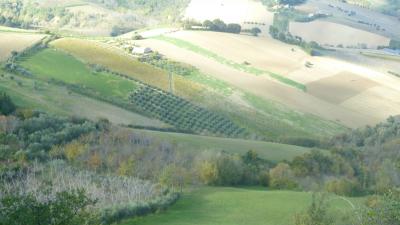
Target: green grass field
(36, 94)
(55, 64)
(238, 66)
(237, 206)
(267, 150)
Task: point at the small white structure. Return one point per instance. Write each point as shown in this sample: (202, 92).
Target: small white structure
(141, 50)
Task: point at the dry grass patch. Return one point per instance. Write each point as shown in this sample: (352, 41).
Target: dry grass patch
(16, 42)
(238, 11)
(338, 88)
(324, 32)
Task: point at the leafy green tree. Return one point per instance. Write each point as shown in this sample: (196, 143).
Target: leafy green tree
(233, 28)
(281, 177)
(219, 25)
(6, 104)
(255, 31)
(66, 208)
(385, 212)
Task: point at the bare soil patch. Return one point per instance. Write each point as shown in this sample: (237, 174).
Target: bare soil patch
(338, 88)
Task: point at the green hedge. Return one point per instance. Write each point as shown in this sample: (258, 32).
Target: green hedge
(132, 210)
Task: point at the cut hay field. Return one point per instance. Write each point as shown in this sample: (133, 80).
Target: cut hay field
(238, 11)
(329, 33)
(193, 143)
(16, 41)
(40, 95)
(237, 206)
(288, 61)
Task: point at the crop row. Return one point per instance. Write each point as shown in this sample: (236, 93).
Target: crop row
(183, 114)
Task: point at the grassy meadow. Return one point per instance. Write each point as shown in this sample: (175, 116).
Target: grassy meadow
(36, 94)
(267, 150)
(55, 64)
(236, 206)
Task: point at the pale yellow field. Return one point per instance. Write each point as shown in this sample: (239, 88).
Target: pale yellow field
(333, 83)
(231, 11)
(16, 42)
(324, 32)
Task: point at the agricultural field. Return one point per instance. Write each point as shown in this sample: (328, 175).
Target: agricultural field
(55, 99)
(247, 13)
(237, 206)
(96, 52)
(16, 41)
(193, 143)
(321, 32)
(364, 18)
(272, 119)
(289, 61)
(54, 64)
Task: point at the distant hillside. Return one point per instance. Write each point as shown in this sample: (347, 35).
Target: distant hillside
(89, 17)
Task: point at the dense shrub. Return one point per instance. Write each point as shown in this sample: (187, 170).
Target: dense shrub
(281, 177)
(7, 106)
(65, 208)
(220, 26)
(344, 187)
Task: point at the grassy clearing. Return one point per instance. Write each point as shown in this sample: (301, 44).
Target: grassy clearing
(55, 64)
(241, 67)
(293, 123)
(236, 206)
(36, 94)
(271, 151)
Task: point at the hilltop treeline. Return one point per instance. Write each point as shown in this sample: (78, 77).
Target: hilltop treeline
(118, 16)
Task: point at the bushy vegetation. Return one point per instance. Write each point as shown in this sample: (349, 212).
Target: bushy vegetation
(157, 60)
(220, 26)
(65, 208)
(33, 134)
(114, 197)
(280, 30)
(182, 113)
(7, 106)
(309, 47)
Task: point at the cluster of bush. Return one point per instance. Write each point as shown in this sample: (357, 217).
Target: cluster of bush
(7, 106)
(157, 60)
(183, 114)
(287, 37)
(132, 210)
